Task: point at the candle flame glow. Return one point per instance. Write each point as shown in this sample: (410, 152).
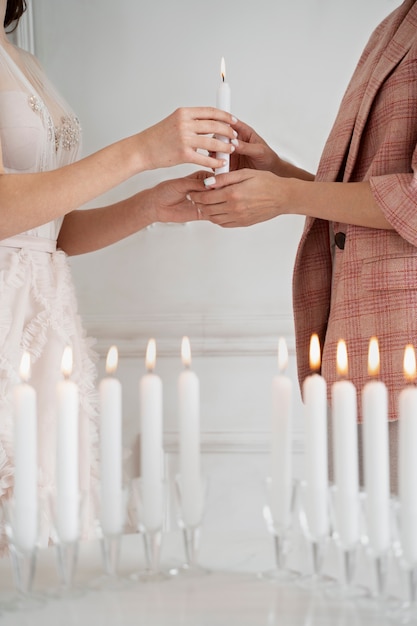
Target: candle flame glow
(223, 69)
(342, 358)
(315, 358)
(112, 360)
(186, 352)
(373, 357)
(409, 363)
(282, 354)
(151, 355)
(24, 370)
(66, 363)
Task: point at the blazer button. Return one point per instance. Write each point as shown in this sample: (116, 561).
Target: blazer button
(340, 239)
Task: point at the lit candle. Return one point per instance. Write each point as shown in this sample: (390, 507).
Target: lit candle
(281, 440)
(223, 103)
(316, 460)
(151, 442)
(25, 521)
(67, 474)
(376, 455)
(407, 459)
(345, 445)
(189, 431)
(110, 392)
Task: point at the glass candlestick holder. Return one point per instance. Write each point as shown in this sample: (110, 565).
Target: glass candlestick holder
(190, 501)
(404, 547)
(279, 517)
(314, 516)
(66, 524)
(22, 529)
(110, 526)
(377, 541)
(149, 502)
(346, 522)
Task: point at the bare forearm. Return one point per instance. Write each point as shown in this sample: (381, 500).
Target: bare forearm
(92, 229)
(348, 203)
(288, 170)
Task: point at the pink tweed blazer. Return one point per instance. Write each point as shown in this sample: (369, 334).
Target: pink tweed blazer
(370, 288)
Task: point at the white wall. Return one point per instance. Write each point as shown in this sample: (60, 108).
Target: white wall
(123, 66)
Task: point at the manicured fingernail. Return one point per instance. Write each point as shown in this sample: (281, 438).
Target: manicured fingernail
(235, 133)
(235, 142)
(209, 181)
(188, 197)
(234, 119)
(232, 148)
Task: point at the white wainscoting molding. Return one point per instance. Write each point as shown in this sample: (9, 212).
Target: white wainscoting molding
(210, 335)
(226, 442)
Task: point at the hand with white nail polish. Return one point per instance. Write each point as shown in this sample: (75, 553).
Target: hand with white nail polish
(188, 135)
(251, 151)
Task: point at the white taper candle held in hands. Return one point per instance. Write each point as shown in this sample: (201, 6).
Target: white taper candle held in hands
(189, 436)
(67, 469)
(316, 459)
(223, 102)
(111, 482)
(281, 441)
(345, 451)
(25, 516)
(407, 459)
(376, 454)
(151, 453)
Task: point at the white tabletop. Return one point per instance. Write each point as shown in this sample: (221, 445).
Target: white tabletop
(231, 593)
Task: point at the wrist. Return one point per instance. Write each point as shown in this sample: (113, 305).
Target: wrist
(300, 196)
(145, 212)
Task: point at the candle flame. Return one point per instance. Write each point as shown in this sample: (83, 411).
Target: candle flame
(151, 355)
(223, 69)
(112, 360)
(342, 358)
(24, 370)
(373, 357)
(186, 352)
(315, 358)
(282, 354)
(409, 363)
(66, 363)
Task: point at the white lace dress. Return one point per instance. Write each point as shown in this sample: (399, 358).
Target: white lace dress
(38, 310)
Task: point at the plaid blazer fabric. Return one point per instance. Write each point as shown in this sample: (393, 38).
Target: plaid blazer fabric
(370, 287)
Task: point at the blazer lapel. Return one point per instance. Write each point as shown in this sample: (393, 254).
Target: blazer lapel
(395, 50)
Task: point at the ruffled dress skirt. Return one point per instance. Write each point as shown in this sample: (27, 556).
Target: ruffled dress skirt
(38, 313)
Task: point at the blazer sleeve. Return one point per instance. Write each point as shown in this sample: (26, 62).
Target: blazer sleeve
(396, 194)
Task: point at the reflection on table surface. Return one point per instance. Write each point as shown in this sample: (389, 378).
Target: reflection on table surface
(232, 593)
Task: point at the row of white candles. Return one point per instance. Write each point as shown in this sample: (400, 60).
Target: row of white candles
(345, 450)
(67, 499)
(376, 457)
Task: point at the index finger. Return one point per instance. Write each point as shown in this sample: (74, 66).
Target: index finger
(212, 113)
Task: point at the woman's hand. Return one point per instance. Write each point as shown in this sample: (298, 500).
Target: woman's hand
(187, 136)
(169, 200)
(241, 198)
(252, 151)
